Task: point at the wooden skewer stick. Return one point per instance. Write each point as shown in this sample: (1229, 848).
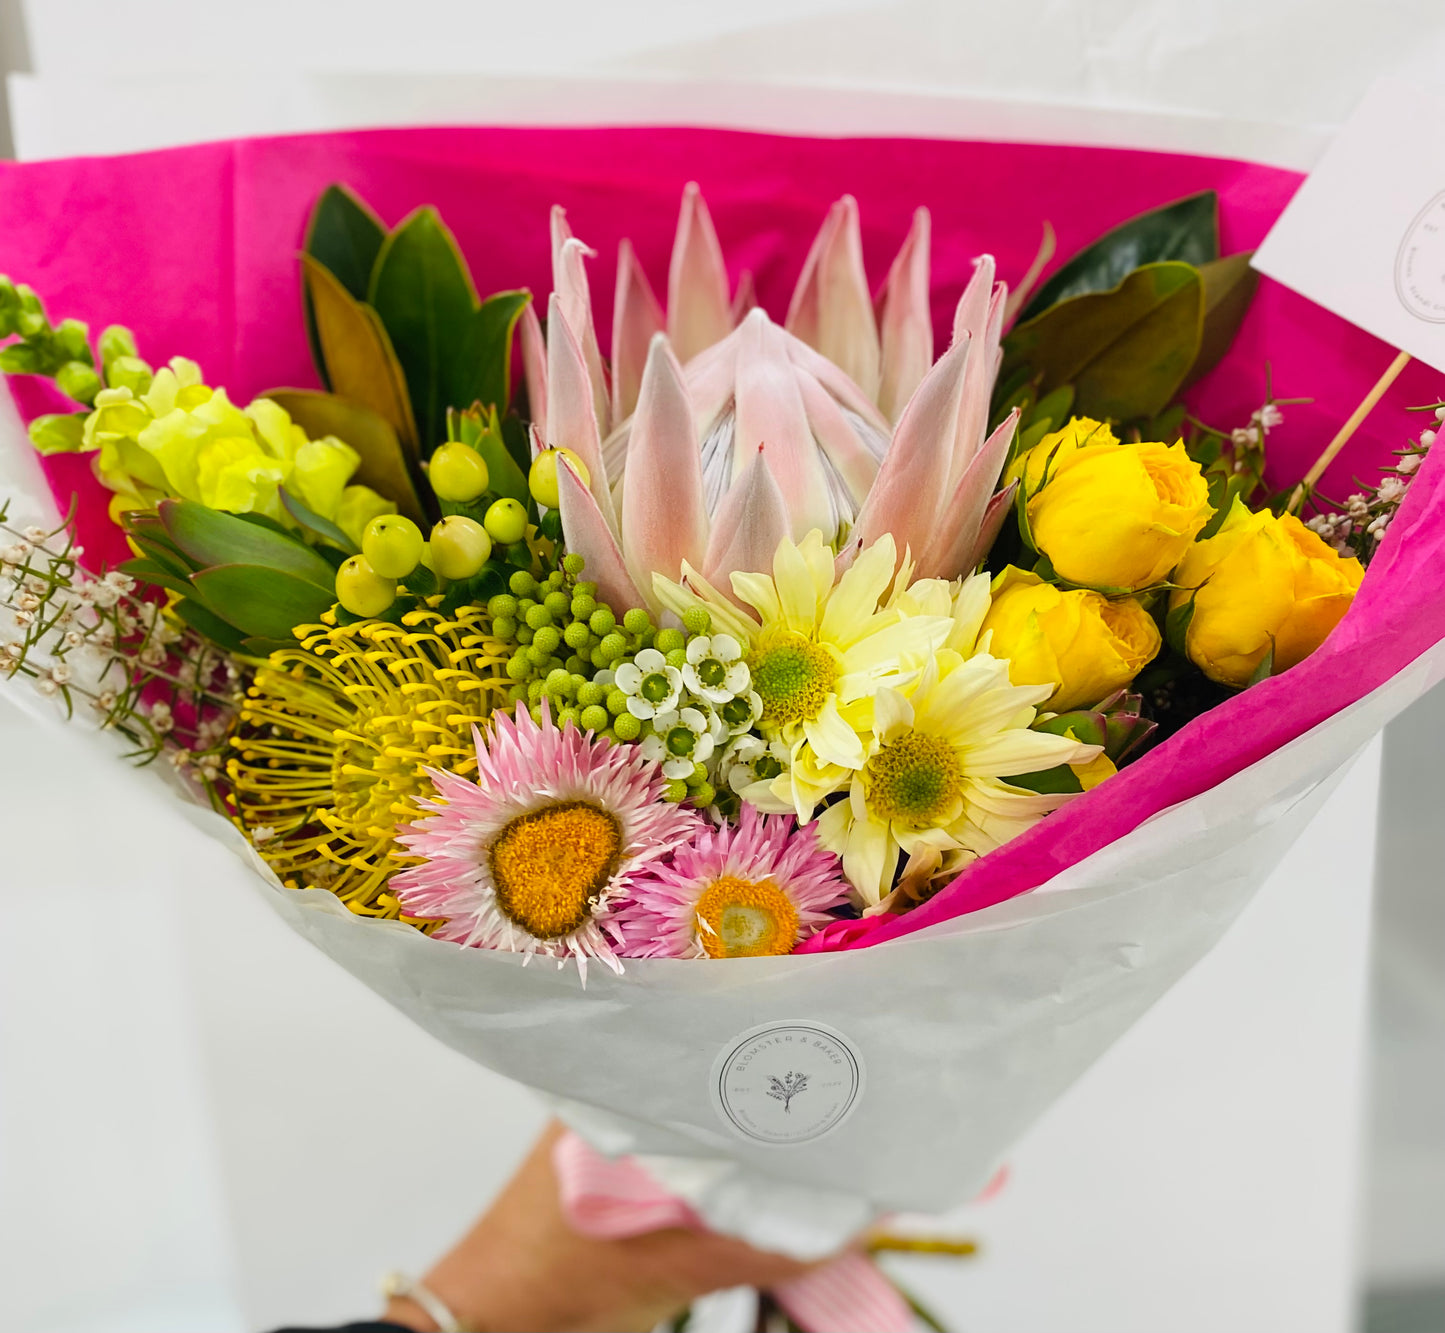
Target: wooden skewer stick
(1357, 417)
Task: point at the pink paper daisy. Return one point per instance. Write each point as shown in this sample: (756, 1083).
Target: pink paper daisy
(534, 854)
(759, 886)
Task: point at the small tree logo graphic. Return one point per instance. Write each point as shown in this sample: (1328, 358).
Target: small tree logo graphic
(787, 1087)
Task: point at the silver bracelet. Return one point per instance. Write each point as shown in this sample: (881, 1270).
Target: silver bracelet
(397, 1284)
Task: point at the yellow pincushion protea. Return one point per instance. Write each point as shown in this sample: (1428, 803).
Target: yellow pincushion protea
(331, 745)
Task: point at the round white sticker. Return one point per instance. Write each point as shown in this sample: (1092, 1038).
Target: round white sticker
(787, 1083)
(1420, 264)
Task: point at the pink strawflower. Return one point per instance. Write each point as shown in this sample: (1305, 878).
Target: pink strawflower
(759, 886)
(534, 855)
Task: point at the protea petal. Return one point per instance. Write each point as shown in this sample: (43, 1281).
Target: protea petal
(962, 517)
(837, 383)
(590, 535)
(664, 521)
(571, 414)
(569, 282)
(854, 463)
(534, 366)
(748, 526)
(994, 514)
(906, 321)
(914, 476)
(980, 317)
(831, 309)
(770, 412)
(636, 317)
(745, 298)
(698, 311)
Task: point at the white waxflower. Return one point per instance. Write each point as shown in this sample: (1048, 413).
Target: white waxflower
(1409, 464)
(1391, 489)
(1427, 438)
(651, 686)
(750, 764)
(680, 738)
(715, 669)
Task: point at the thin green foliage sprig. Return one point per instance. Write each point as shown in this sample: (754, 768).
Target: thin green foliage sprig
(91, 644)
(1357, 526)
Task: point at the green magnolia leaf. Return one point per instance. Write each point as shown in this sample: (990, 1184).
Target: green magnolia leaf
(361, 363)
(1052, 409)
(344, 236)
(1229, 287)
(453, 349)
(385, 464)
(209, 625)
(210, 537)
(1187, 230)
(261, 601)
(1049, 781)
(1125, 351)
(309, 519)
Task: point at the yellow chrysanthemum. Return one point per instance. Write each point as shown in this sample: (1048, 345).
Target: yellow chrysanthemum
(332, 742)
(818, 650)
(933, 785)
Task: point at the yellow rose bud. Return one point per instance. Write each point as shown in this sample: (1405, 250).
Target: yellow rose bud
(1074, 638)
(1079, 431)
(1114, 515)
(1262, 581)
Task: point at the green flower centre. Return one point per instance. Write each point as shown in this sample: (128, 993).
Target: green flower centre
(655, 687)
(793, 676)
(916, 779)
(711, 673)
(680, 741)
(737, 712)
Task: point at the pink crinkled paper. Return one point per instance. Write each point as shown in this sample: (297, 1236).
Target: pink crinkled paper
(195, 249)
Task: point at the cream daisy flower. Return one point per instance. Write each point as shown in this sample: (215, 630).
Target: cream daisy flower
(933, 785)
(818, 650)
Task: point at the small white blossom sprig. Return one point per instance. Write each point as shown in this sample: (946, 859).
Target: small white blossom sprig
(88, 639)
(1240, 454)
(1357, 527)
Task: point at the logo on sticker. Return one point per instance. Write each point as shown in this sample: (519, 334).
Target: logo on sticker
(787, 1083)
(1420, 264)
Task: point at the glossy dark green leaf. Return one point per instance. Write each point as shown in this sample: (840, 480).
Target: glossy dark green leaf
(155, 574)
(344, 236)
(1176, 625)
(453, 349)
(1088, 728)
(259, 600)
(1187, 230)
(209, 625)
(1229, 287)
(210, 537)
(259, 647)
(1126, 351)
(309, 519)
(1049, 782)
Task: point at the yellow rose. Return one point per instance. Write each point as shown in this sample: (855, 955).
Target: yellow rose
(1111, 515)
(1078, 431)
(1262, 580)
(1076, 639)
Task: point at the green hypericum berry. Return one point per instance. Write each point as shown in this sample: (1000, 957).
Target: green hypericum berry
(637, 621)
(602, 620)
(675, 791)
(677, 658)
(548, 638)
(538, 616)
(573, 563)
(583, 606)
(522, 583)
(504, 627)
(704, 794)
(590, 692)
(577, 635)
(361, 590)
(518, 668)
(595, 718)
(558, 603)
(502, 607)
(627, 727)
(669, 639)
(696, 620)
(612, 647)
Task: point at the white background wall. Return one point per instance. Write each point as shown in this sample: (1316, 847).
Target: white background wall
(205, 1126)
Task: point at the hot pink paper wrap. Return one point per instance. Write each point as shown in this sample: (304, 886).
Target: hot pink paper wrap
(195, 248)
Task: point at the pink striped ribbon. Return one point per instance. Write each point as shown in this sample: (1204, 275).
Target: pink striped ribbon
(609, 1199)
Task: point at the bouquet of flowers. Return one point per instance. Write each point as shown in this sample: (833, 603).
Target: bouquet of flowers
(857, 708)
